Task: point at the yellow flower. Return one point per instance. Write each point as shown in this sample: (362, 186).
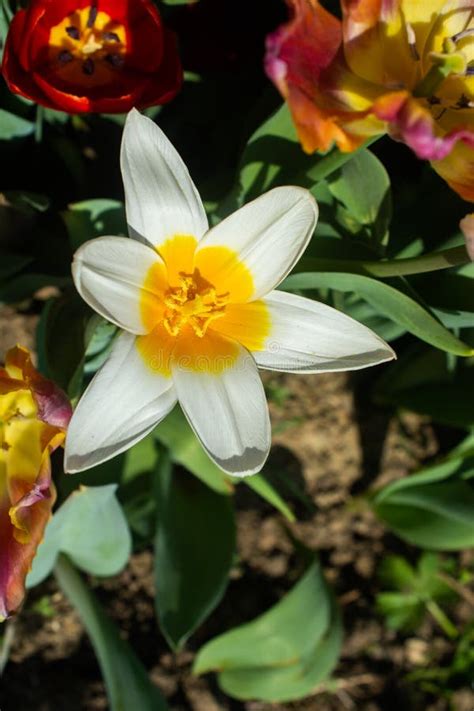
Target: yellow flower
(402, 66)
(33, 416)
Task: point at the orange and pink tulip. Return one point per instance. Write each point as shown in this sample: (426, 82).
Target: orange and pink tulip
(34, 415)
(399, 66)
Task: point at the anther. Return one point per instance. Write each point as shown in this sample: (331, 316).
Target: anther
(88, 66)
(65, 57)
(73, 32)
(461, 35)
(411, 36)
(92, 15)
(110, 37)
(115, 60)
(463, 102)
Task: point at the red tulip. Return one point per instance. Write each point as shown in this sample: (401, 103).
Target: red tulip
(91, 55)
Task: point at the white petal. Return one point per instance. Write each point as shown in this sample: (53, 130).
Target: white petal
(228, 413)
(160, 197)
(269, 234)
(122, 404)
(108, 273)
(310, 337)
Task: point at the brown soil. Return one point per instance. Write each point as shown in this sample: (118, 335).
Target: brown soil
(336, 445)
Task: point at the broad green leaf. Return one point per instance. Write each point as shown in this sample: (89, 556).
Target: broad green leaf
(126, 680)
(363, 186)
(285, 652)
(94, 218)
(91, 529)
(292, 682)
(185, 449)
(433, 509)
(100, 344)
(13, 126)
(365, 313)
(389, 301)
(194, 548)
(273, 156)
(279, 636)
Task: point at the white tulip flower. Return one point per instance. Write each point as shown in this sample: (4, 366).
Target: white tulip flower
(199, 313)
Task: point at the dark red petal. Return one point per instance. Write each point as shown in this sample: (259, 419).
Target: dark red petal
(82, 103)
(165, 84)
(18, 80)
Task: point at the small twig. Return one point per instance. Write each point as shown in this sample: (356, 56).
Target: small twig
(348, 597)
(462, 591)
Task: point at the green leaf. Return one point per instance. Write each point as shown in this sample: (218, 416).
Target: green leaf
(260, 484)
(100, 344)
(363, 186)
(412, 591)
(126, 680)
(390, 302)
(285, 652)
(90, 527)
(363, 312)
(433, 509)
(94, 218)
(175, 433)
(11, 264)
(421, 380)
(13, 126)
(273, 156)
(65, 328)
(194, 548)
(401, 611)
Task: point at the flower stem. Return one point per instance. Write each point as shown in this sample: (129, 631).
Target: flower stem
(39, 124)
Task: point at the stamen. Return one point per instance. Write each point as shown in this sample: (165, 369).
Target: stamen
(463, 102)
(192, 303)
(73, 32)
(470, 70)
(110, 37)
(115, 60)
(92, 15)
(461, 35)
(88, 66)
(411, 36)
(65, 57)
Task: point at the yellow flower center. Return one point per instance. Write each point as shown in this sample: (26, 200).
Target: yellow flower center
(194, 302)
(448, 66)
(88, 45)
(196, 306)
